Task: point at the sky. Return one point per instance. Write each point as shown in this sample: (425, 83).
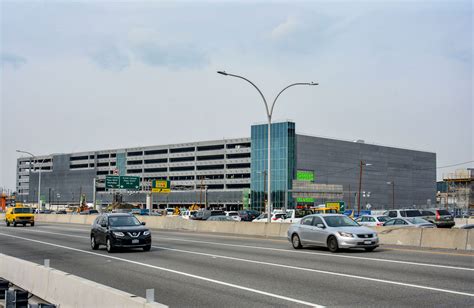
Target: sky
(89, 75)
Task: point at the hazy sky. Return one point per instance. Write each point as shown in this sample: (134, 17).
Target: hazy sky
(91, 75)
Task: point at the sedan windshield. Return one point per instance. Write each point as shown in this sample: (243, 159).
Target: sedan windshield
(383, 218)
(119, 221)
(340, 221)
(22, 210)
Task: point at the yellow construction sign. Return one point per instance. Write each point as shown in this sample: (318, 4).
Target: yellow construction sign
(161, 190)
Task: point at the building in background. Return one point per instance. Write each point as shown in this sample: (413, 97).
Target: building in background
(456, 191)
(232, 173)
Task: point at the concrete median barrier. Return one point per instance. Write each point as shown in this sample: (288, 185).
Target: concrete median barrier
(399, 236)
(250, 228)
(66, 290)
(418, 237)
(227, 227)
(444, 238)
(470, 240)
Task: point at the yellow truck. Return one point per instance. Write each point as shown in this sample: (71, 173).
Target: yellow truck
(19, 215)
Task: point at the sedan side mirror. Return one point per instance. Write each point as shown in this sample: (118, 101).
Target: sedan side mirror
(320, 226)
(143, 223)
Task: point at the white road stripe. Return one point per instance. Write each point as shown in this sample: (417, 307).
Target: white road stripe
(292, 251)
(319, 271)
(108, 256)
(322, 254)
(296, 268)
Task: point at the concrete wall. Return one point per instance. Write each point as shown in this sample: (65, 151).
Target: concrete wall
(429, 238)
(63, 289)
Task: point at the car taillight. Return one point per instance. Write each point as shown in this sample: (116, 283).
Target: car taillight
(437, 215)
(379, 224)
(274, 218)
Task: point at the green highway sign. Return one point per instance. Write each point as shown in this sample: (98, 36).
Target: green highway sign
(122, 182)
(112, 181)
(130, 182)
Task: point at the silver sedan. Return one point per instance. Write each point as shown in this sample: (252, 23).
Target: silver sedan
(333, 231)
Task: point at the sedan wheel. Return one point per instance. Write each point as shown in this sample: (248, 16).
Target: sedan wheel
(332, 244)
(109, 246)
(295, 240)
(8, 223)
(94, 245)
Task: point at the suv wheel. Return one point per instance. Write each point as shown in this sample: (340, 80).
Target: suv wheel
(110, 247)
(333, 246)
(147, 248)
(8, 223)
(32, 224)
(369, 248)
(14, 223)
(296, 242)
(94, 245)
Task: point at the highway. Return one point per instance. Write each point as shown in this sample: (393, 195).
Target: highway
(196, 270)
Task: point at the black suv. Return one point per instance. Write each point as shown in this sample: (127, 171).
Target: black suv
(119, 230)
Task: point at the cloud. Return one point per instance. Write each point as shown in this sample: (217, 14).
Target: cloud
(9, 59)
(111, 58)
(285, 28)
(171, 56)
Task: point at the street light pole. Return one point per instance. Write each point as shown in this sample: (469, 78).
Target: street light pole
(269, 112)
(360, 184)
(39, 175)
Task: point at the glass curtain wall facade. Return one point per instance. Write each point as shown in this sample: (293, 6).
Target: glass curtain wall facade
(283, 165)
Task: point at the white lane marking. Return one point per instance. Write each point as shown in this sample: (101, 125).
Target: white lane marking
(291, 267)
(323, 254)
(294, 300)
(303, 252)
(318, 271)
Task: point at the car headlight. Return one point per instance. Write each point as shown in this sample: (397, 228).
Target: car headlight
(119, 234)
(346, 234)
(146, 233)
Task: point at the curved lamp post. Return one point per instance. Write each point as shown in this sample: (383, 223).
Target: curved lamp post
(39, 175)
(269, 117)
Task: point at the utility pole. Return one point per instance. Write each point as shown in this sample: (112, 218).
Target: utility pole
(360, 184)
(94, 183)
(350, 196)
(205, 197)
(393, 195)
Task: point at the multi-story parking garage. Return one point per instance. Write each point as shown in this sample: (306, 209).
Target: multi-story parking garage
(229, 172)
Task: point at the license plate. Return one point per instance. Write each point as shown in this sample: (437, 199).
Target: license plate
(135, 241)
(367, 242)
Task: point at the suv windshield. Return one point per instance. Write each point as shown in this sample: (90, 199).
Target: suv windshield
(340, 221)
(22, 210)
(413, 213)
(118, 221)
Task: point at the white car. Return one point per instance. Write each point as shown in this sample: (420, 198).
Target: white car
(234, 215)
(292, 215)
(372, 220)
(278, 217)
(186, 214)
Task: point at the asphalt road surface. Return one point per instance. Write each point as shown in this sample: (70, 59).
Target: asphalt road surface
(204, 270)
